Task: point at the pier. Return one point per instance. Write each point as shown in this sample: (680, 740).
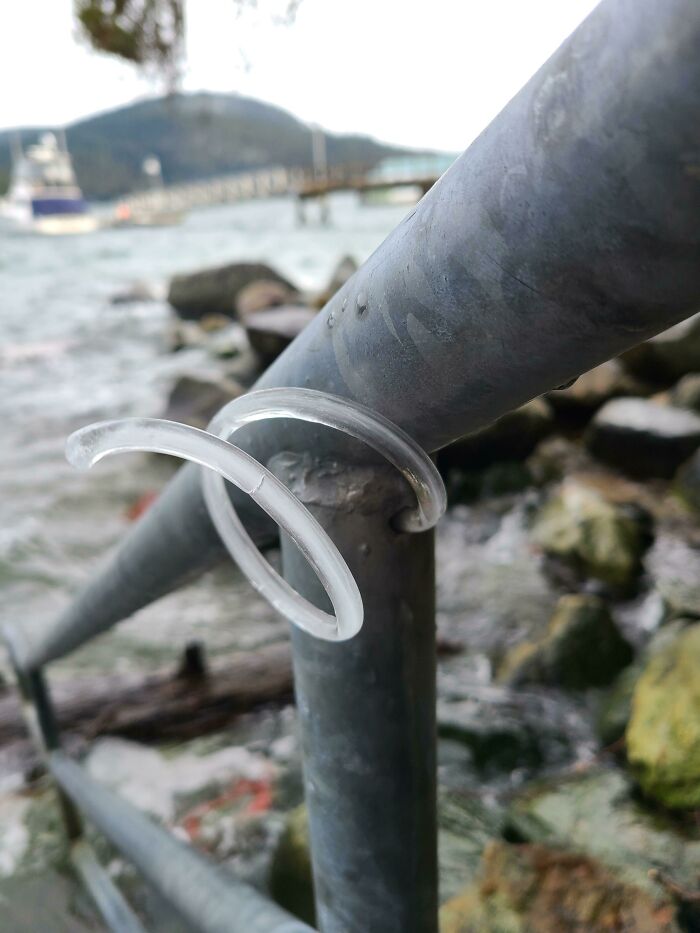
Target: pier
(305, 184)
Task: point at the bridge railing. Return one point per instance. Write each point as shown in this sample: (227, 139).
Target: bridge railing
(566, 233)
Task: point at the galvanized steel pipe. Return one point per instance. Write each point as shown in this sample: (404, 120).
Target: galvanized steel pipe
(367, 706)
(211, 900)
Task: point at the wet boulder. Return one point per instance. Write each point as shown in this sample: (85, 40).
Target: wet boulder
(554, 458)
(216, 291)
(668, 356)
(592, 389)
(466, 824)
(291, 881)
(263, 294)
(139, 292)
(686, 393)
(674, 566)
(195, 399)
(270, 332)
(344, 271)
(615, 705)
(512, 437)
(663, 735)
(580, 531)
(523, 888)
(643, 438)
(687, 481)
(499, 479)
(597, 814)
(583, 647)
(501, 735)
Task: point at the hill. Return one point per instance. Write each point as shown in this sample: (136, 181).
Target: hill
(195, 136)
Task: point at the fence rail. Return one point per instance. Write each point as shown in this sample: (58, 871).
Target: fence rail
(567, 232)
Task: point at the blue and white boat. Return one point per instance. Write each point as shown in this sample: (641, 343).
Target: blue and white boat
(43, 196)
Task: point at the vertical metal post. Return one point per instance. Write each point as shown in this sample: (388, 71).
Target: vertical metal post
(367, 707)
(40, 718)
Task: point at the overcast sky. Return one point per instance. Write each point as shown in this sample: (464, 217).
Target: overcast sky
(414, 72)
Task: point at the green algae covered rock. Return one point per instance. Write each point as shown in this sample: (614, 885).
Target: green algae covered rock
(291, 882)
(596, 538)
(615, 707)
(663, 735)
(597, 814)
(583, 647)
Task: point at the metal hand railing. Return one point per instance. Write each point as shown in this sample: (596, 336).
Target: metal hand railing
(569, 231)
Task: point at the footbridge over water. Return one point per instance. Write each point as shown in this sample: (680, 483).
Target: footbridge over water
(277, 181)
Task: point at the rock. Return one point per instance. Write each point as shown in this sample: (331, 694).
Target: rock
(663, 735)
(225, 343)
(616, 707)
(499, 739)
(196, 399)
(291, 881)
(212, 323)
(597, 814)
(593, 537)
(512, 437)
(465, 826)
(668, 356)
(521, 665)
(687, 482)
(138, 292)
(492, 592)
(502, 479)
(674, 566)
(593, 389)
(506, 737)
(270, 332)
(499, 479)
(531, 888)
(345, 269)
(244, 367)
(183, 335)
(582, 648)
(686, 393)
(216, 291)
(643, 438)
(263, 294)
(554, 458)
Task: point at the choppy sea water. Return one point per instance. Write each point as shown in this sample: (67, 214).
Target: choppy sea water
(68, 356)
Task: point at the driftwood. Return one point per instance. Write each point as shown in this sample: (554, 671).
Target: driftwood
(165, 705)
(192, 701)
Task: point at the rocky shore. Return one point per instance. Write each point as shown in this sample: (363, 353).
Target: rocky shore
(569, 699)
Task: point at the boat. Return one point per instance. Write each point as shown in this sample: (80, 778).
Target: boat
(44, 196)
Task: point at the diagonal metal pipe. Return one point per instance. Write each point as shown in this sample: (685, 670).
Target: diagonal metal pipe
(566, 233)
